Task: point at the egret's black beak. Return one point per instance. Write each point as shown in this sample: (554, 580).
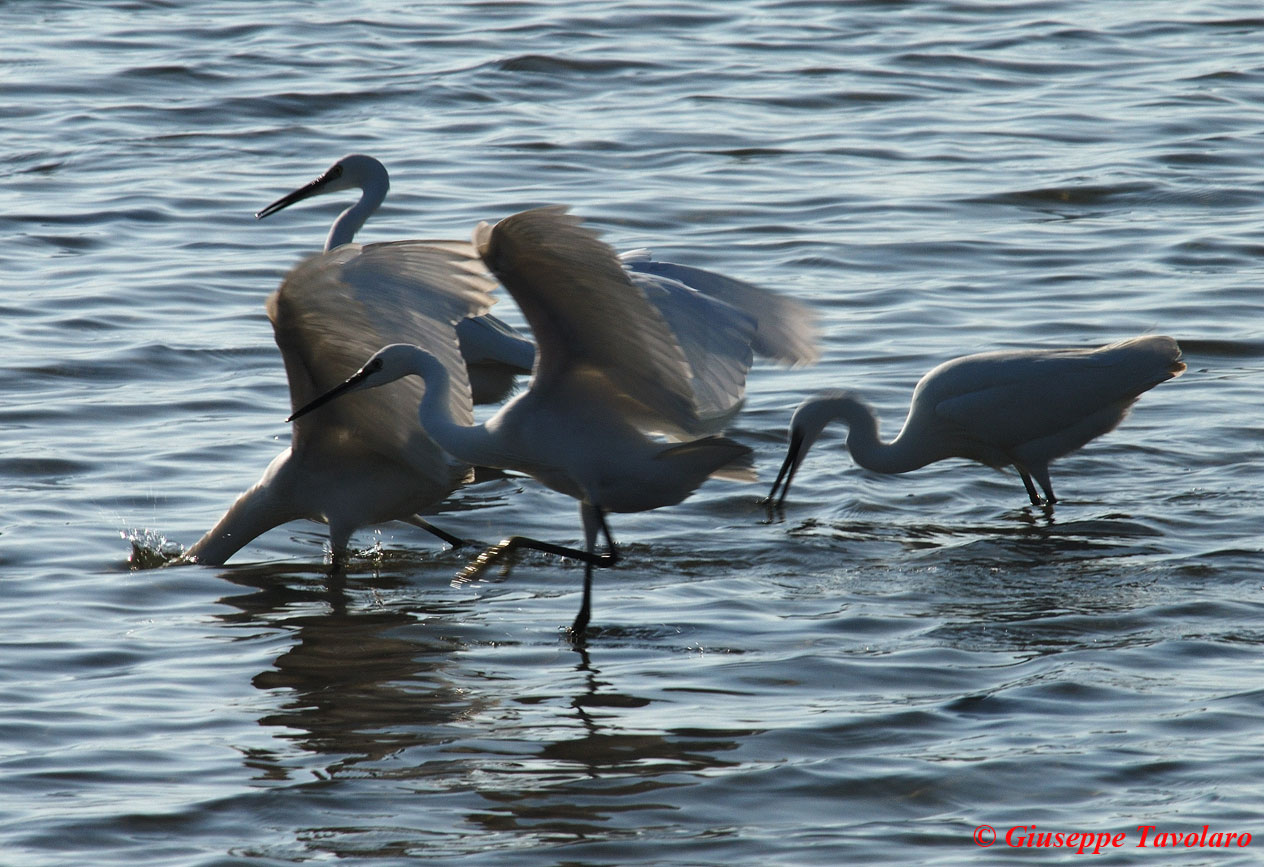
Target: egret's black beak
(301, 193)
(333, 393)
(794, 457)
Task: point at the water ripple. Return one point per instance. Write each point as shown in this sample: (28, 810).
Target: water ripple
(864, 676)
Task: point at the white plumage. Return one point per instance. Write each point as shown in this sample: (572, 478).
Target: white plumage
(365, 461)
(610, 369)
(1019, 408)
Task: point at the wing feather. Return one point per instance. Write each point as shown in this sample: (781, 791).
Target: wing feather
(785, 327)
(716, 341)
(585, 312)
(335, 309)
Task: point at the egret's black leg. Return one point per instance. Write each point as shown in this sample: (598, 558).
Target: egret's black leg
(580, 626)
(1042, 476)
(338, 565)
(507, 547)
(1031, 489)
(454, 541)
(594, 520)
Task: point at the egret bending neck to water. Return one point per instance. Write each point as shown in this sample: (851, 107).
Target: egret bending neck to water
(1021, 408)
(366, 462)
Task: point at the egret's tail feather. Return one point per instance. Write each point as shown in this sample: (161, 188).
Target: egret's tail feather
(719, 457)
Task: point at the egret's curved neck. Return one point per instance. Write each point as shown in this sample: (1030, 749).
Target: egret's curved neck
(350, 221)
(471, 444)
(867, 449)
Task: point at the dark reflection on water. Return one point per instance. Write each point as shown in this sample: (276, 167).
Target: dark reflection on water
(359, 691)
(619, 770)
(358, 683)
(379, 688)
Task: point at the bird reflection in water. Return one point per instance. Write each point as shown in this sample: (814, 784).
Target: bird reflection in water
(580, 787)
(384, 694)
(357, 685)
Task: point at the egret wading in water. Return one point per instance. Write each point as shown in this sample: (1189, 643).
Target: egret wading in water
(495, 354)
(1009, 408)
(355, 467)
(364, 461)
(610, 369)
(371, 463)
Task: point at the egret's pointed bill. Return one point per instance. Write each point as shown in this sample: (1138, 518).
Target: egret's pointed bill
(356, 380)
(303, 192)
(790, 466)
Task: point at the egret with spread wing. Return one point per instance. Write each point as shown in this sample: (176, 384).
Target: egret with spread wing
(609, 370)
(1019, 408)
(363, 461)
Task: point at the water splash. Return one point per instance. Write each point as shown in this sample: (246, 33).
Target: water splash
(150, 550)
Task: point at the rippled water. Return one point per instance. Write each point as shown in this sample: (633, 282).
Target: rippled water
(867, 679)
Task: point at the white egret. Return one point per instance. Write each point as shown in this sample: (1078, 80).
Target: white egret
(494, 352)
(1019, 408)
(365, 461)
(609, 369)
(370, 463)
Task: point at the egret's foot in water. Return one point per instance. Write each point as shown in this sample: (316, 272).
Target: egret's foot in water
(505, 550)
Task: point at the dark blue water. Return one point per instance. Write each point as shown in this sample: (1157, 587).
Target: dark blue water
(869, 678)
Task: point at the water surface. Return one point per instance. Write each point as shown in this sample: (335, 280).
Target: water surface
(866, 678)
